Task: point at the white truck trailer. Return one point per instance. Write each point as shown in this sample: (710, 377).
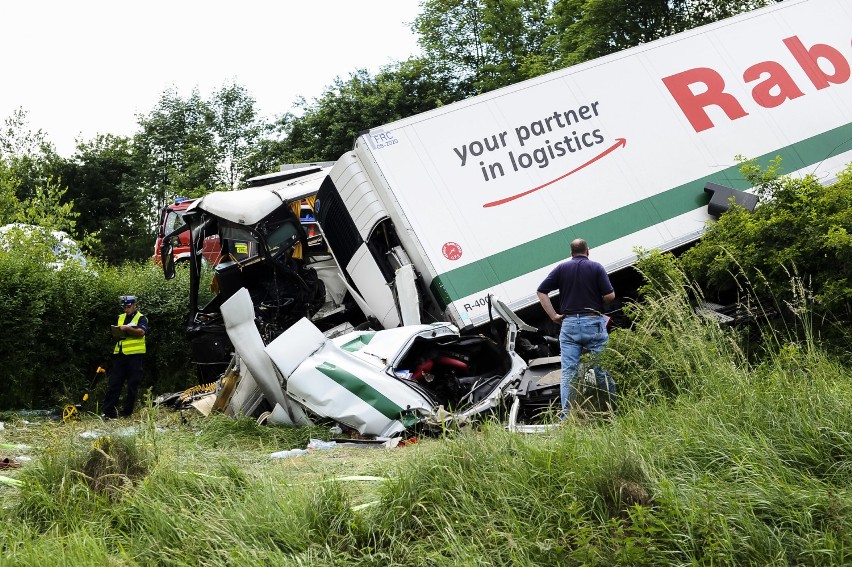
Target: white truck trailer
(429, 215)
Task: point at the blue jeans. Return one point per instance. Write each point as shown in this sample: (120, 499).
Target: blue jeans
(578, 335)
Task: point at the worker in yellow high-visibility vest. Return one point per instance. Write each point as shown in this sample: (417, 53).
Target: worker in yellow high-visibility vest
(129, 354)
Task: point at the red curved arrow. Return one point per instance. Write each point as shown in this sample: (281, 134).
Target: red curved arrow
(618, 142)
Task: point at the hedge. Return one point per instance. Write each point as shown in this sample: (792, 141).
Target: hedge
(56, 329)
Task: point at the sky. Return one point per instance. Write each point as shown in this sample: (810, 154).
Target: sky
(87, 67)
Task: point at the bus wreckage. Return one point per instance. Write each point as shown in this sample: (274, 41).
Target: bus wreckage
(382, 383)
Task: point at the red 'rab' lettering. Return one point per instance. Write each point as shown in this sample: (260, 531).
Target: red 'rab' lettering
(808, 58)
(693, 105)
(776, 88)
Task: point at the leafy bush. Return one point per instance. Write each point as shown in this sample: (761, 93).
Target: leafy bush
(800, 227)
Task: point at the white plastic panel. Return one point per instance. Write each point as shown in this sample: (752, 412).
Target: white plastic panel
(294, 345)
(238, 313)
(406, 293)
(371, 283)
(358, 194)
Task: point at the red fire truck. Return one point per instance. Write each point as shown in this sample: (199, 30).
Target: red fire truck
(171, 217)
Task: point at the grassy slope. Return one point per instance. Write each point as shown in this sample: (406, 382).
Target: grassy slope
(710, 460)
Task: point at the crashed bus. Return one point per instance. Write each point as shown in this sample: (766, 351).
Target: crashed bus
(261, 245)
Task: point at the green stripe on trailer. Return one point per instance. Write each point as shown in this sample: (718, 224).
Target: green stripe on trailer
(549, 249)
(361, 389)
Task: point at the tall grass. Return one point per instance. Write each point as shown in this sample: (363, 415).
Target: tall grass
(712, 459)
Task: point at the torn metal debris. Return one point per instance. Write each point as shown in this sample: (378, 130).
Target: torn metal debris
(376, 383)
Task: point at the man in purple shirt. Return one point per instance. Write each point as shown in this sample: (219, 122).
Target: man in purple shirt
(583, 289)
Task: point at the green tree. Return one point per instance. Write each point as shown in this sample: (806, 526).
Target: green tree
(801, 230)
(116, 212)
(30, 158)
(190, 146)
(48, 208)
(328, 126)
(587, 29)
(176, 148)
(700, 12)
(16, 139)
(450, 35)
(31, 190)
(236, 128)
(486, 44)
(8, 193)
(268, 152)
